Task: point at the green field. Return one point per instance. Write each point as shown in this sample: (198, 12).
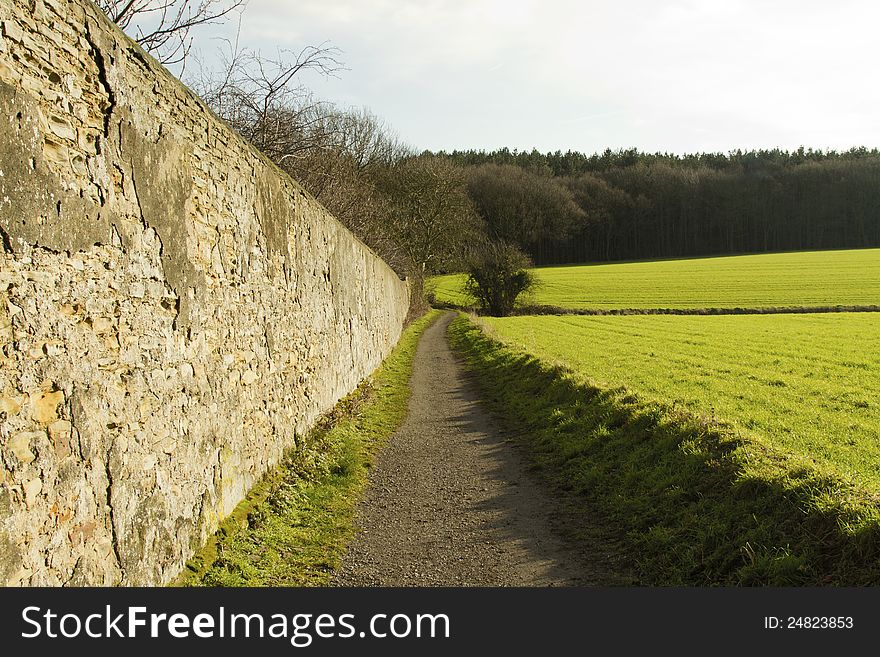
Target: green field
(818, 278)
(808, 384)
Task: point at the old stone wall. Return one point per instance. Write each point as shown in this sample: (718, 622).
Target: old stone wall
(174, 311)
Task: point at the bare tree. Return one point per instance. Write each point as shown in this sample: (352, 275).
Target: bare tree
(431, 214)
(162, 27)
(413, 211)
(529, 208)
(343, 164)
(262, 98)
(337, 155)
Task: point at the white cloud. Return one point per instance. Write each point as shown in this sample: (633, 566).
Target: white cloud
(679, 76)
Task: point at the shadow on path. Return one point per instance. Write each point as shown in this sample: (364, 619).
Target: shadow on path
(450, 502)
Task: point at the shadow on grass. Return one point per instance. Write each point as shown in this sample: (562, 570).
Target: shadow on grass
(544, 309)
(699, 503)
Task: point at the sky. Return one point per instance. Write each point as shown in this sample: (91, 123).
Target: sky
(586, 75)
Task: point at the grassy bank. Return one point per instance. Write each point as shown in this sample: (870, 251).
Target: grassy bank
(700, 502)
(292, 528)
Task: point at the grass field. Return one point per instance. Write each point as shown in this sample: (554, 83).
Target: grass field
(809, 384)
(729, 450)
(819, 278)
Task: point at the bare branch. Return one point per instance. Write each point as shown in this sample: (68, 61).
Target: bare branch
(162, 27)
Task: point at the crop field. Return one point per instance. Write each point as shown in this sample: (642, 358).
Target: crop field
(818, 278)
(808, 384)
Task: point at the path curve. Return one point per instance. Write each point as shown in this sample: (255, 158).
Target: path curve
(450, 503)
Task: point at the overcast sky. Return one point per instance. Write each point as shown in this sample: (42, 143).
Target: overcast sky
(686, 76)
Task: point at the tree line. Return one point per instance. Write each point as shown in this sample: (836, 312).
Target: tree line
(627, 205)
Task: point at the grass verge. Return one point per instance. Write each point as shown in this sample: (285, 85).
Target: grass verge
(699, 503)
(293, 526)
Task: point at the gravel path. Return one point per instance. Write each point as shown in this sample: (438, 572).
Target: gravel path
(450, 503)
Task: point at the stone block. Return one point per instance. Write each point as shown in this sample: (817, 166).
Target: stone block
(20, 445)
(12, 31)
(44, 406)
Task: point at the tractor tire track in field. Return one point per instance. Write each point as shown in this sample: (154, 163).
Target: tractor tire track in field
(450, 502)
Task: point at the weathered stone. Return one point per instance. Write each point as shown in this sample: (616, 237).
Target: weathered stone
(31, 490)
(12, 31)
(83, 531)
(60, 428)
(60, 434)
(11, 403)
(165, 303)
(44, 406)
(20, 445)
(62, 128)
(10, 557)
(54, 348)
(102, 325)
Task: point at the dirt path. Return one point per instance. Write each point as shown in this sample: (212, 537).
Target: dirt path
(450, 503)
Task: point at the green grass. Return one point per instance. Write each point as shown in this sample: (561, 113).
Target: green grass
(294, 525)
(705, 493)
(808, 384)
(819, 278)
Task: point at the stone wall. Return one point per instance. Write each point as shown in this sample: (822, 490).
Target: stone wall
(174, 310)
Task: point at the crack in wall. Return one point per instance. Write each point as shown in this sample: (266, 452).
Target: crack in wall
(103, 77)
(146, 225)
(4, 238)
(73, 572)
(114, 538)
